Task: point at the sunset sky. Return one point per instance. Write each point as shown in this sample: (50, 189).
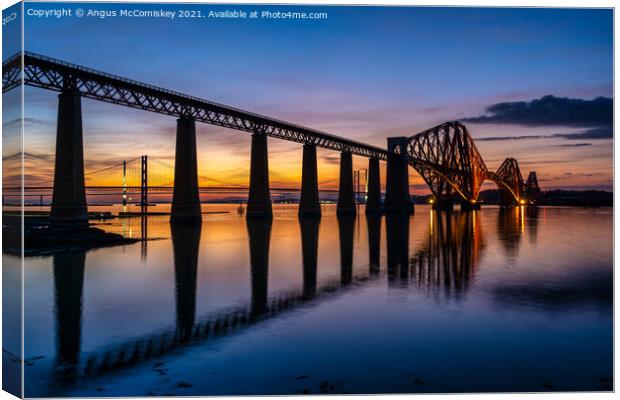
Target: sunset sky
(533, 84)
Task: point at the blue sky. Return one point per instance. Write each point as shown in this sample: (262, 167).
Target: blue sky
(364, 73)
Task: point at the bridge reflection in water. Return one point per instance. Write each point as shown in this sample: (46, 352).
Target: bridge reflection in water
(185, 244)
(447, 261)
(310, 251)
(69, 287)
(442, 264)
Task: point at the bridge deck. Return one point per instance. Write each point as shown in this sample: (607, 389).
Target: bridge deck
(52, 74)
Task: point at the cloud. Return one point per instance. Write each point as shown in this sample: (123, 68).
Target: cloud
(594, 133)
(575, 145)
(550, 111)
(589, 134)
(37, 156)
(28, 121)
(28, 156)
(330, 158)
(500, 138)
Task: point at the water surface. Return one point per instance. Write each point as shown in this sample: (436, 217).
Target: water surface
(493, 300)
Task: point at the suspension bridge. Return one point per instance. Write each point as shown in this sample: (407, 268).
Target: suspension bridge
(445, 156)
(146, 175)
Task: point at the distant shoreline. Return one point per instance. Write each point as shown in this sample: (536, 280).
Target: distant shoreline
(574, 198)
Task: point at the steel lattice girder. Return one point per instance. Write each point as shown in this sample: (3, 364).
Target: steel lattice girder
(447, 159)
(532, 182)
(47, 73)
(509, 176)
(445, 156)
(11, 73)
(531, 189)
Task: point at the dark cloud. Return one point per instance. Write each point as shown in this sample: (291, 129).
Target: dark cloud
(27, 121)
(330, 158)
(538, 162)
(594, 133)
(589, 134)
(37, 156)
(13, 156)
(550, 111)
(499, 138)
(28, 156)
(575, 145)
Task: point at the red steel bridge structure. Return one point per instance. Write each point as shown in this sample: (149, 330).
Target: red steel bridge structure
(445, 156)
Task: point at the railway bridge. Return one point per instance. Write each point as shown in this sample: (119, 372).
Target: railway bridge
(445, 156)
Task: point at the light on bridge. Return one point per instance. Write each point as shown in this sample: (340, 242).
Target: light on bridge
(522, 202)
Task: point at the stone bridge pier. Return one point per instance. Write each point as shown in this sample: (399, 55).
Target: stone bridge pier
(443, 205)
(185, 196)
(346, 198)
(259, 197)
(397, 199)
(373, 199)
(69, 211)
(69, 207)
(309, 205)
(469, 205)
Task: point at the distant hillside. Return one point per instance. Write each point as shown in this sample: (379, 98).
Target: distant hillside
(585, 198)
(577, 198)
(581, 198)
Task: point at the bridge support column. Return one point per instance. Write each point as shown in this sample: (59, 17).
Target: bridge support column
(443, 205)
(469, 206)
(373, 201)
(397, 198)
(309, 205)
(185, 198)
(69, 209)
(346, 198)
(506, 199)
(259, 198)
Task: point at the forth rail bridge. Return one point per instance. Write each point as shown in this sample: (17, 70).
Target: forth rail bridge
(445, 156)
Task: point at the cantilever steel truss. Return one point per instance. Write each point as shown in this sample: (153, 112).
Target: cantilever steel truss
(509, 176)
(532, 190)
(448, 160)
(47, 73)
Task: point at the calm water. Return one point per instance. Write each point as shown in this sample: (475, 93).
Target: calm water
(517, 300)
